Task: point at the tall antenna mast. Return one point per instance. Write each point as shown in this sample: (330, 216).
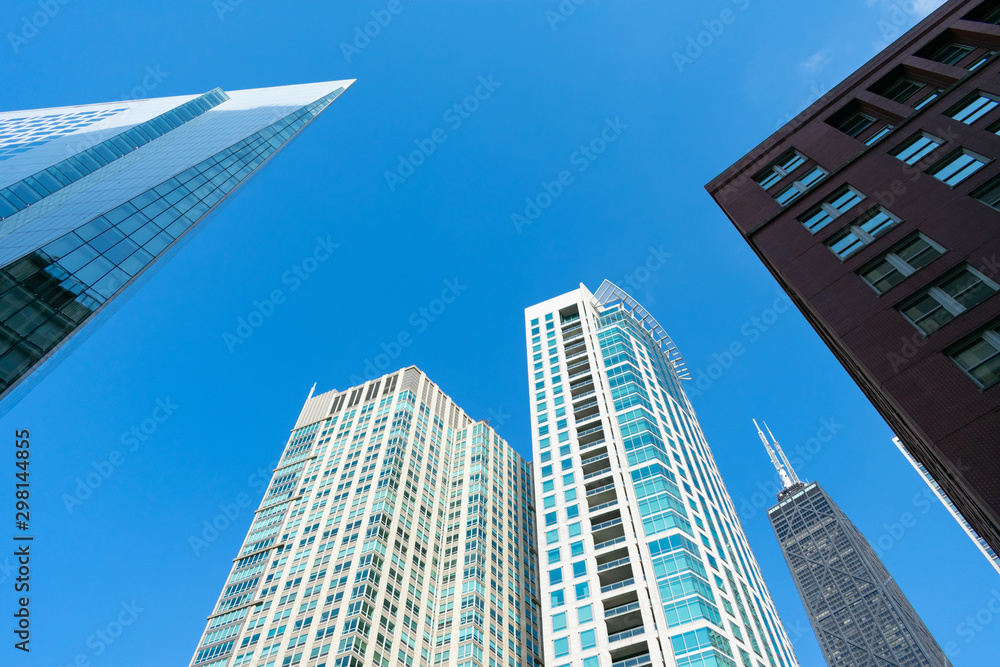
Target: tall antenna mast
(784, 458)
(786, 481)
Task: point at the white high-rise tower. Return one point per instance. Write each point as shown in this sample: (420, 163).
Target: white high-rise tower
(643, 558)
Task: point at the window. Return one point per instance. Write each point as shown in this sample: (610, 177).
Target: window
(797, 188)
(974, 107)
(950, 53)
(784, 165)
(588, 639)
(554, 556)
(559, 621)
(552, 536)
(980, 357)
(558, 598)
(582, 591)
(551, 518)
(902, 261)
(989, 194)
(958, 166)
(902, 89)
(562, 647)
(951, 297)
(579, 569)
(555, 576)
(841, 201)
(585, 614)
(859, 124)
(576, 549)
(862, 232)
(986, 12)
(917, 148)
(856, 124)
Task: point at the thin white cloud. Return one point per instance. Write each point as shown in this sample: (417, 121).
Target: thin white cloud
(815, 63)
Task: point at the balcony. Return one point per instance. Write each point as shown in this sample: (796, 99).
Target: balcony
(575, 351)
(618, 585)
(607, 526)
(633, 662)
(595, 443)
(610, 503)
(623, 612)
(586, 410)
(609, 543)
(582, 387)
(598, 473)
(598, 495)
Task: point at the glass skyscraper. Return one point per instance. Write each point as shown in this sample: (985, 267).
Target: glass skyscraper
(396, 530)
(858, 612)
(643, 560)
(91, 196)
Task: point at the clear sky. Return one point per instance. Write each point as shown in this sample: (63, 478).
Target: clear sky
(554, 85)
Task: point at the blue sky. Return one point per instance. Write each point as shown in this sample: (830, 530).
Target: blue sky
(553, 86)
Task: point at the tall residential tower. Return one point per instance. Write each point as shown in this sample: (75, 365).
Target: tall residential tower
(643, 558)
(858, 612)
(396, 530)
(92, 196)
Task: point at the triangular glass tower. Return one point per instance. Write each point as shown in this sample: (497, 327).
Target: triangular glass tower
(92, 196)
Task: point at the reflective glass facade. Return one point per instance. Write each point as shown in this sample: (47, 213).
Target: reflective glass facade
(643, 558)
(395, 531)
(47, 293)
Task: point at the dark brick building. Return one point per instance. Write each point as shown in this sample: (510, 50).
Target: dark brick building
(878, 211)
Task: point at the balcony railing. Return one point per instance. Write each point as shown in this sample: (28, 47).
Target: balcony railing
(615, 586)
(606, 524)
(604, 567)
(595, 429)
(624, 609)
(633, 662)
(597, 473)
(618, 636)
(595, 443)
(610, 503)
(601, 489)
(609, 543)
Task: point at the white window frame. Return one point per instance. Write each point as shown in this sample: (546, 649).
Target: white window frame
(827, 207)
(951, 158)
(898, 262)
(863, 236)
(902, 148)
(945, 300)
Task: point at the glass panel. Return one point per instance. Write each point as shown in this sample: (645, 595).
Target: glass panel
(951, 54)
(878, 223)
(968, 289)
(917, 149)
(902, 90)
(883, 277)
(958, 168)
(918, 253)
(877, 137)
(973, 110)
(856, 124)
(928, 314)
(846, 245)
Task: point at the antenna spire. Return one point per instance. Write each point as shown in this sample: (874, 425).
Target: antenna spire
(784, 458)
(779, 464)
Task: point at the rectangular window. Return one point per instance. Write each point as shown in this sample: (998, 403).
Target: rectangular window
(904, 260)
(576, 549)
(989, 194)
(797, 188)
(917, 148)
(958, 166)
(902, 89)
(554, 556)
(784, 165)
(579, 569)
(562, 647)
(585, 614)
(862, 232)
(974, 107)
(558, 598)
(950, 54)
(948, 299)
(861, 125)
(582, 591)
(837, 204)
(588, 639)
(555, 576)
(559, 621)
(980, 357)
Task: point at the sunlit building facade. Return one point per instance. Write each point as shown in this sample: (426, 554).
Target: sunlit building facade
(92, 196)
(396, 530)
(643, 560)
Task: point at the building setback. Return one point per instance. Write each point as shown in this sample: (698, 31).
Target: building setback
(876, 209)
(643, 558)
(396, 530)
(92, 196)
(858, 612)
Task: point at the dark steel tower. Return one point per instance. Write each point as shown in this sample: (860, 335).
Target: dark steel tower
(860, 616)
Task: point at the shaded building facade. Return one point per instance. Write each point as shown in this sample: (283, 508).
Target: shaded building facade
(876, 210)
